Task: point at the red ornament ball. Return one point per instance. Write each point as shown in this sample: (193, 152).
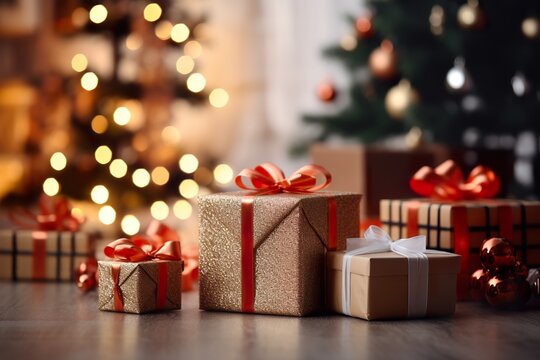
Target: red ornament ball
(326, 92)
(497, 253)
(478, 284)
(364, 26)
(383, 61)
(507, 292)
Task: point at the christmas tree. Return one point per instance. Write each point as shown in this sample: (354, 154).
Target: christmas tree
(459, 71)
(117, 145)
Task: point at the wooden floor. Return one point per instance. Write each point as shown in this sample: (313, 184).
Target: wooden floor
(55, 321)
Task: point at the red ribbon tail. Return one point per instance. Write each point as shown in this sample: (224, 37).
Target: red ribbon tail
(332, 224)
(161, 296)
(39, 254)
(247, 262)
(118, 301)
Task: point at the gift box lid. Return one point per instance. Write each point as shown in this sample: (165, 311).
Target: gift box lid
(391, 264)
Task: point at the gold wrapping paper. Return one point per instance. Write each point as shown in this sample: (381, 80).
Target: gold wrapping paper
(379, 285)
(436, 222)
(138, 284)
(290, 234)
(64, 252)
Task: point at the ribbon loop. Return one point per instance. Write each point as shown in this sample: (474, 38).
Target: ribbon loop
(446, 182)
(129, 250)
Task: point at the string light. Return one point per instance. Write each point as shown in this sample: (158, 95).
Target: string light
(99, 194)
(141, 178)
(133, 42)
(152, 12)
(193, 48)
(58, 161)
(159, 210)
(170, 135)
(107, 215)
(99, 124)
(185, 64)
(188, 188)
(98, 14)
(196, 82)
(163, 30)
(89, 81)
(188, 163)
(130, 225)
(122, 115)
(103, 154)
(79, 62)
(218, 98)
(51, 186)
(182, 209)
(179, 33)
(160, 175)
(223, 173)
(118, 168)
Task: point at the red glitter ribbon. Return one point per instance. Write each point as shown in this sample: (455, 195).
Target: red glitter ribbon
(266, 179)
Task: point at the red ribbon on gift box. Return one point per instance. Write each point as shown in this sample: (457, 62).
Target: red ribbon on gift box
(137, 249)
(54, 215)
(267, 179)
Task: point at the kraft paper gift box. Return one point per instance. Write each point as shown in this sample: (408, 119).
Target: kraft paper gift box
(43, 255)
(379, 285)
(282, 271)
(140, 286)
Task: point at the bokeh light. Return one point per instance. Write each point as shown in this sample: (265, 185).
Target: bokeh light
(122, 115)
(79, 62)
(141, 178)
(152, 12)
(193, 48)
(103, 154)
(170, 135)
(107, 215)
(185, 64)
(218, 98)
(188, 163)
(196, 82)
(223, 173)
(188, 188)
(130, 225)
(179, 33)
(182, 209)
(133, 42)
(99, 194)
(163, 30)
(159, 210)
(118, 168)
(51, 186)
(89, 81)
(99, 124)
(160, 175)
(58, 161)
(98, 14)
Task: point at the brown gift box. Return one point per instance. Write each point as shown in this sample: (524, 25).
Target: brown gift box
(138, 283)
(64, 251)
(437, 220)
(379, 284)
(290, 237)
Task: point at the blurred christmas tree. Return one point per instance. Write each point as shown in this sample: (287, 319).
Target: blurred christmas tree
(117, 144)
(458, 71)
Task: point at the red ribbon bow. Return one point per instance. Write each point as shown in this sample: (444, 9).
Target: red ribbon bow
(446, 182)
(267, 178)
(139, 249)
(54, 214)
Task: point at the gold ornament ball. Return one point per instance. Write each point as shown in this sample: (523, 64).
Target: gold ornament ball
(531, 27)
(399, 98)
(383, 61)
(471, 16)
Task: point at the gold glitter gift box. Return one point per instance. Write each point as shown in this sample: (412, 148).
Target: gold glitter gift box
(290, 236)
(43, 255)
(140, 287)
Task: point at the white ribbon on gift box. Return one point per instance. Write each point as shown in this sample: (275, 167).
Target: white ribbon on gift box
(376, 240)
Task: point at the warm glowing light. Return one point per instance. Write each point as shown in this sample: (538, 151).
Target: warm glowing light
(456, 78)
(122, 115)
(159, 210)
(189, 188)
(133, 42)
(182, 209)
(99, 194)
(223, 173)
(170, 135)
(141, 178)
(98, 14)
(218, 98)
(152, 12)
(99, 124)
(188, 163)
(193, 48)
(130, 225)
(89, 81)
(58, 161)
(103, 154)
(79, 62)
(196, 82)
(348, 42)
(185, 64)
(163, 30)
(77, 213)
(118, 168)
(179, 33)
(140, 142)
(79, 17)
(51, 186)
(160, 175)
(107, 215)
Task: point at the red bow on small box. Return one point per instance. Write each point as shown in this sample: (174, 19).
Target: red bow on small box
(446, 182)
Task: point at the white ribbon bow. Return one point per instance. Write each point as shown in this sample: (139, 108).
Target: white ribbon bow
(376, 240)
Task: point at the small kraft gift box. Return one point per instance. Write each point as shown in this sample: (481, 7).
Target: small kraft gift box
(263, 251)
(142, 277)
(377, 278)
(459, 216)
(45, 246)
